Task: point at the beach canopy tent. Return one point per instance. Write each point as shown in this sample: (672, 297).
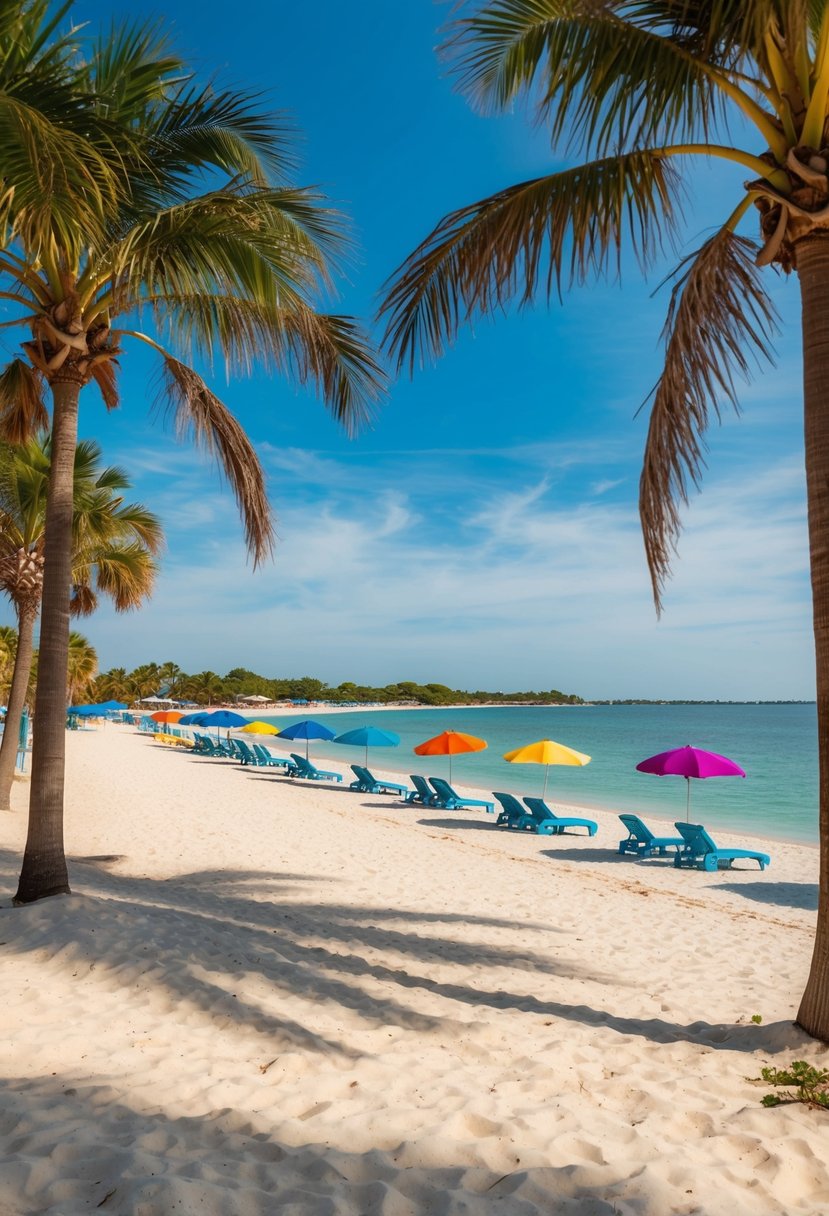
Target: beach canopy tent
(368, 736)
(256, 699)
(308, 729)
(690, 762)
(450, 743)
(547, 752)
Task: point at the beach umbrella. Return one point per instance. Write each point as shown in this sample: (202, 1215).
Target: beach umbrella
(224, 717)
(307, 729)
(260, 728)
(167, 715)
(368, 736)
(690, 762)
(196, 719)
(450, 743)
(546, 752)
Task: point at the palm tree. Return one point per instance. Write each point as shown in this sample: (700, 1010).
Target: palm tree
(113, 544)
(81, 668)
(642, 86)
(205, 687)
(134, 199)
(112, 685)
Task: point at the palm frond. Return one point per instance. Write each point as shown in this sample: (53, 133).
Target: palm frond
(717, 309)
(524, 239)
(266, 245)
(222, 129)
(23, 411)
(196, 409)
(60, 186)
(131, 68)
(125, 573)
(331, 352)
(593, 75)
(105, 375)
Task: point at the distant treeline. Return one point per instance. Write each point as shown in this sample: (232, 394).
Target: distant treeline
(206, 687)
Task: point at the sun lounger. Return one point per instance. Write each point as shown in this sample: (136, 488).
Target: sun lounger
(700, 851)
(547, 823)
(367, 783)
(514, 815)
(422, 791)
(304, 768)
(643, 843)
(449, 800)
(269, 760)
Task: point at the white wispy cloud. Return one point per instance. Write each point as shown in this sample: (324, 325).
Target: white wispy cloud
(523, 589)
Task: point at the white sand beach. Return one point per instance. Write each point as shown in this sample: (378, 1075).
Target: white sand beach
(271, 996)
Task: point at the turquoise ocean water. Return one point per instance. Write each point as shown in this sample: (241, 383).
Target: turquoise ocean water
(775, 744)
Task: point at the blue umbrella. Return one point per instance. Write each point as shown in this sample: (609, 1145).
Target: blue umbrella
(196, 719)
(368, 736)
(223, 717)
(306, 730)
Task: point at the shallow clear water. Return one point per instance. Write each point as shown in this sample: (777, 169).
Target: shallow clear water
(775, 744)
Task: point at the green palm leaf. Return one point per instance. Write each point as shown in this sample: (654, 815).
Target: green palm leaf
(524, 239)
(717, 310)
(591, 75)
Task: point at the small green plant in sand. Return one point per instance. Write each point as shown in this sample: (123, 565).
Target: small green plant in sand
(757, 1018)
(810, 1085)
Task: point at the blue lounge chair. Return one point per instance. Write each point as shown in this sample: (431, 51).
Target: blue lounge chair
(367, 783)
(701, 852)
(304, 768)
(514, 815)
(451, 801)
(245, 754)
(422, 791)
(547, 823)
(267, 759)
(643, 843)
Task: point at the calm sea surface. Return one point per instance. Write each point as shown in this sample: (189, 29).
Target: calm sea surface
(775, 744)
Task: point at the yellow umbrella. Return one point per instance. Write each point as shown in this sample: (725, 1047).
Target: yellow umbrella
(546, 752)
(260, 728)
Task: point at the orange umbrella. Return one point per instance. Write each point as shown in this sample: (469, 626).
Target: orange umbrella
(166, 715)
(450, 743)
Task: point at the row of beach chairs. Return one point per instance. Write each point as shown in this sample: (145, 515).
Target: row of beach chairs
(692, 847)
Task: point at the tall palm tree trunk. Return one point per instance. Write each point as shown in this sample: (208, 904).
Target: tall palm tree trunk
(813, 271)
(44, 863)
(27, 614)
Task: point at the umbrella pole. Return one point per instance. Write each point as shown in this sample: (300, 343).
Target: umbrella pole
(546, 775)
(688, 801)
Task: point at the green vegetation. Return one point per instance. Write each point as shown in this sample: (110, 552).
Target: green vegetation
(114, 544)
(811, 1085)
(167, 679)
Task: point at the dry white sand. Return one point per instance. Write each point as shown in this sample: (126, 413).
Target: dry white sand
(273, 997)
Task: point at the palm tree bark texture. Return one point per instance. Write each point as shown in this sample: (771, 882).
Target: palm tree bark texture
(44, 870)
(813, 272)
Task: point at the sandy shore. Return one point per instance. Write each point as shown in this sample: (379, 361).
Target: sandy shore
(267, 996)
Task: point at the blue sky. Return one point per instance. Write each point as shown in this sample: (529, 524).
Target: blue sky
(484, 532)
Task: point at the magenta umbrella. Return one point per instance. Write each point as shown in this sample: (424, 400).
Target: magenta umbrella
(690, 762)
